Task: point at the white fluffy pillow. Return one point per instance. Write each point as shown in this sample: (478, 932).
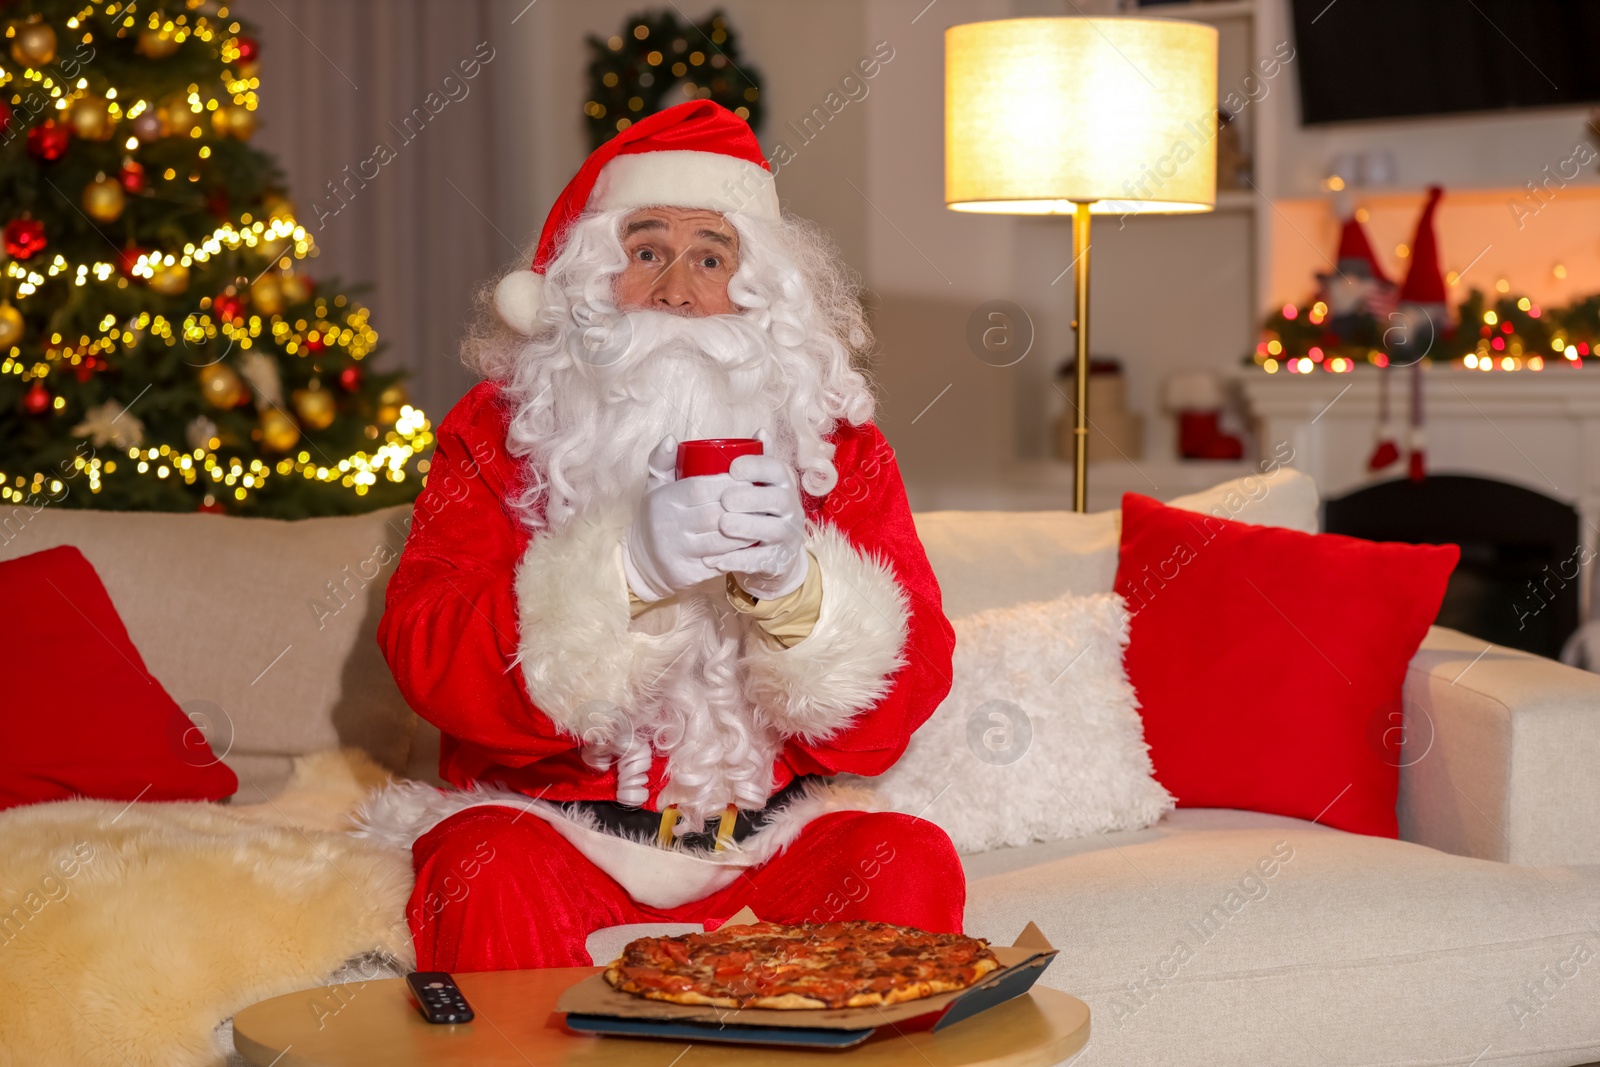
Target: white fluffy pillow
(1040, 738)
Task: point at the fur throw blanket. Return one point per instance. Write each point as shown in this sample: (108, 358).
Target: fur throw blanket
(128, 932)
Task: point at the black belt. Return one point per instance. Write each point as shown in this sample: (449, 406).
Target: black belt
(624, 821)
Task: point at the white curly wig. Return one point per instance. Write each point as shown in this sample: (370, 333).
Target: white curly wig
(596, 386)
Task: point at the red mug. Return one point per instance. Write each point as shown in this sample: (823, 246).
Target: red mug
(713, 455)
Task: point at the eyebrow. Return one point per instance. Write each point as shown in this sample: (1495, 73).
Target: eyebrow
(639, 225)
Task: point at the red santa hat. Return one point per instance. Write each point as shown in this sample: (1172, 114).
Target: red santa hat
(1355, 248)
(1424, 282)
(696, 155)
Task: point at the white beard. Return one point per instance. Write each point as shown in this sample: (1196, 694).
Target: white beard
(649, 374)
(632, 380)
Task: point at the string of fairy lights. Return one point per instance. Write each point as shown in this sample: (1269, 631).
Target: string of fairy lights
(358, 471)
(1516, 334)
(48, 70)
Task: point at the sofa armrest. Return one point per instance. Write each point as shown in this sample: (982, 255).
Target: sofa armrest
(1502, 754)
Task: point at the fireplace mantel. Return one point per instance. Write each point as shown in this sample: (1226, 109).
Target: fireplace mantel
(1538, 429)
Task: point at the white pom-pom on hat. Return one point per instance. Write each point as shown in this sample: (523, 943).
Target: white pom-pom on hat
(518, 299)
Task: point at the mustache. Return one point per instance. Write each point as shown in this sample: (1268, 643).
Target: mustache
(618, 341)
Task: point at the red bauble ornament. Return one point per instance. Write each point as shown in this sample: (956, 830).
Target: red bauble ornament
(85, 370)
(227, 307)
(126, 260)
(249, 49)
(315, 344)
(48, 141)
(350, 379)
(24, 238)
(5, 116)
(132, 176)
(36, 401)
(213, 508)
(217, 203)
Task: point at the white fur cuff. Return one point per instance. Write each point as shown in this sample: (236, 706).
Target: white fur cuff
(813, 689)
(574, 642)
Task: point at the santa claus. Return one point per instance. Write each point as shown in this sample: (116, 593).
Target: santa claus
(645, 682)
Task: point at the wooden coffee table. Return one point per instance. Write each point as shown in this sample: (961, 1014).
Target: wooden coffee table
(517, 1025)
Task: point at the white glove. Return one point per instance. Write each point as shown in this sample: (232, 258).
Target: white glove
(666, 548)
(763, 506)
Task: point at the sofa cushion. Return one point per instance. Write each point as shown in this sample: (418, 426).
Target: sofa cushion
(1040, 736)
(994, 559)
(83, 715)
(1234, 937)
(264, 631)
(1269, 663)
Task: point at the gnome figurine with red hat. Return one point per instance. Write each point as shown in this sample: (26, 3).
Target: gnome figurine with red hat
(646, 677)
(1421, 318)
(1360, 297)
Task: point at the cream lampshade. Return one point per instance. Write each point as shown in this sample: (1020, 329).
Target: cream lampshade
(1077, 115)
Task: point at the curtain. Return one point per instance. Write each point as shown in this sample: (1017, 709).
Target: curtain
(381, 113)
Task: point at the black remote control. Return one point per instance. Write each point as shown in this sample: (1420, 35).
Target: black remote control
(438, 998)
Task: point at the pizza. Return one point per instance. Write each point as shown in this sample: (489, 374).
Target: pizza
(807, 965)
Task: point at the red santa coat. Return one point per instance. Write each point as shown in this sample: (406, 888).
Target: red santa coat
(496, 636)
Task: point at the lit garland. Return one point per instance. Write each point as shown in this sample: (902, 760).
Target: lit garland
(354, 337)
(254, 235)
(411, 435)
(241, 88)
(1515, 334)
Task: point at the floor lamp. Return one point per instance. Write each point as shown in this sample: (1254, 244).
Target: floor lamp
(1080, 116)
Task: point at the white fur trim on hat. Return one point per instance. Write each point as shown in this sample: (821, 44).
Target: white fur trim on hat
(518, 299)
(707, 180)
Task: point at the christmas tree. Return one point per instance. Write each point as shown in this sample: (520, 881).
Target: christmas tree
(161, 348)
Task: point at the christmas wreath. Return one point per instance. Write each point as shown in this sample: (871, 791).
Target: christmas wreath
(656, 61)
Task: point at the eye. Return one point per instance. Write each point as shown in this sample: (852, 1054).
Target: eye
(645, 254)
(713, 262)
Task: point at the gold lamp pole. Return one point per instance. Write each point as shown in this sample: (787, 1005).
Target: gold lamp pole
(1054, 116)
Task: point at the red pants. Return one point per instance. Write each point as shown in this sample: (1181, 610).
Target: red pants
(498, 892)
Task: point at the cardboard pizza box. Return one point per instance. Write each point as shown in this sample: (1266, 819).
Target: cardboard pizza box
(592, 1006)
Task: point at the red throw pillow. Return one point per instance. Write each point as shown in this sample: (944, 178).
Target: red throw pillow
(83, 717)
(1269, 662)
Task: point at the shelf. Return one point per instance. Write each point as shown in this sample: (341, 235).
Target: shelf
(1199, 12)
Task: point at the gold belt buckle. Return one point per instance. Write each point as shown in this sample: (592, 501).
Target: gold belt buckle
(669, 819)
(725, 828)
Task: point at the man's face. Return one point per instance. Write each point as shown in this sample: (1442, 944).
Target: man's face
(679, 261)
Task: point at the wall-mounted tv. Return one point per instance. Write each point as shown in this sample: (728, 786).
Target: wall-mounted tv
(1379, 59)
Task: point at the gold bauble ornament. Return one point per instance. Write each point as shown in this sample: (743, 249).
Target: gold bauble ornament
(221, 385)
(10, 327)
(390, 402)
(155, 44)
(103, 199)
(296, 290)
(170, 280)
(178, 120)
(277, 207)
(315, 406)
(34, 45)
(267, 294)
(278, 431)
(273, 248)
(233, 120)
(91, 118)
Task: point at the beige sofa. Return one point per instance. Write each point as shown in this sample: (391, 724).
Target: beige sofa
(1214, 937)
